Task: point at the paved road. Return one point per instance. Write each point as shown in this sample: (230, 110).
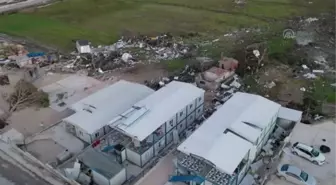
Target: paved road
(21, 5)
(159, 174)
(13, 175)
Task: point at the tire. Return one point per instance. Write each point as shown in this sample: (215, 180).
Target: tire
(295, 153)
(324, 149)
(282, 178)
(315, 162)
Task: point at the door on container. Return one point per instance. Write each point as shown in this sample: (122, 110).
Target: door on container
(70, 128)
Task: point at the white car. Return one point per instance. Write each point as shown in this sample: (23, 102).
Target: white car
(295, 175)
(308, 153)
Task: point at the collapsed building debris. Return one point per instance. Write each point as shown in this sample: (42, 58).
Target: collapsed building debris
(186, 75)
(162, 47)
(126, 52)
(16, 56)
(212, 78)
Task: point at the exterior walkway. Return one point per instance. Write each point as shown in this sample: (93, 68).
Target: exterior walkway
(160, 173)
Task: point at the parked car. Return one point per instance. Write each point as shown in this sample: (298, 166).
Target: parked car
(309, 153)
(295, 175)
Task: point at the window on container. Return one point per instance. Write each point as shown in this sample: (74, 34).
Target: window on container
(97, 134)
(181, 113)
(171, 122)
(190, 106)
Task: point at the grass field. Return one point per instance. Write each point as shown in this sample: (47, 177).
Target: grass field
(103, 21)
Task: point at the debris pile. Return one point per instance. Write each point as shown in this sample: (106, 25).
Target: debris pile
(15, 55)
(212, 78)
(162, 47)
(227, 89)
(186, 75)
(125, 53)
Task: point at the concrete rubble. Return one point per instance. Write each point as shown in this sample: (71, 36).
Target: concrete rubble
(16, 56)
(213, 78)
(126, 52)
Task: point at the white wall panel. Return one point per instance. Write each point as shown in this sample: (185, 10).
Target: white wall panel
(119, 178)
(133, 157)
(146, 156)
(182, 114)
(191, 107)
(169, 137)
(190, 118)
(83, 135)
(199, 111)
(159, 145)
(182, 126)
(99, 179)
(200, 100)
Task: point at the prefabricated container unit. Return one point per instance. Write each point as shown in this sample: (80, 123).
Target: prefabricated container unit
(117, 179)
(178, 123)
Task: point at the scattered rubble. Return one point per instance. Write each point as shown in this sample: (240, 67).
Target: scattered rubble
(220, 79)
(126, 52)
(4, 80)
(270, 85)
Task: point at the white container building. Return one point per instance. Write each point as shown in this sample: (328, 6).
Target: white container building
(222, 149)
(93, 113)
(156, 121)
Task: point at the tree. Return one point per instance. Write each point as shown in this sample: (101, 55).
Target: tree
(25, 94)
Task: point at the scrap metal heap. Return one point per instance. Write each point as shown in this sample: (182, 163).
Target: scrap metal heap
(203, 169)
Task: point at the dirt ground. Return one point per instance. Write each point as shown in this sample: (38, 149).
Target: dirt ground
(139, 73)
(287, 88)
(30, 120)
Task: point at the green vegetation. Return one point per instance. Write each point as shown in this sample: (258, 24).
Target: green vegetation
(281, 49)
(279, 46)
(103, 21)
(175, 64)
(323, 92)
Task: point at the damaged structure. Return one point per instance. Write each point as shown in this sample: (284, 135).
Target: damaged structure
(83, 46)
(92, 114)
(212, 78)
(231, 139)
